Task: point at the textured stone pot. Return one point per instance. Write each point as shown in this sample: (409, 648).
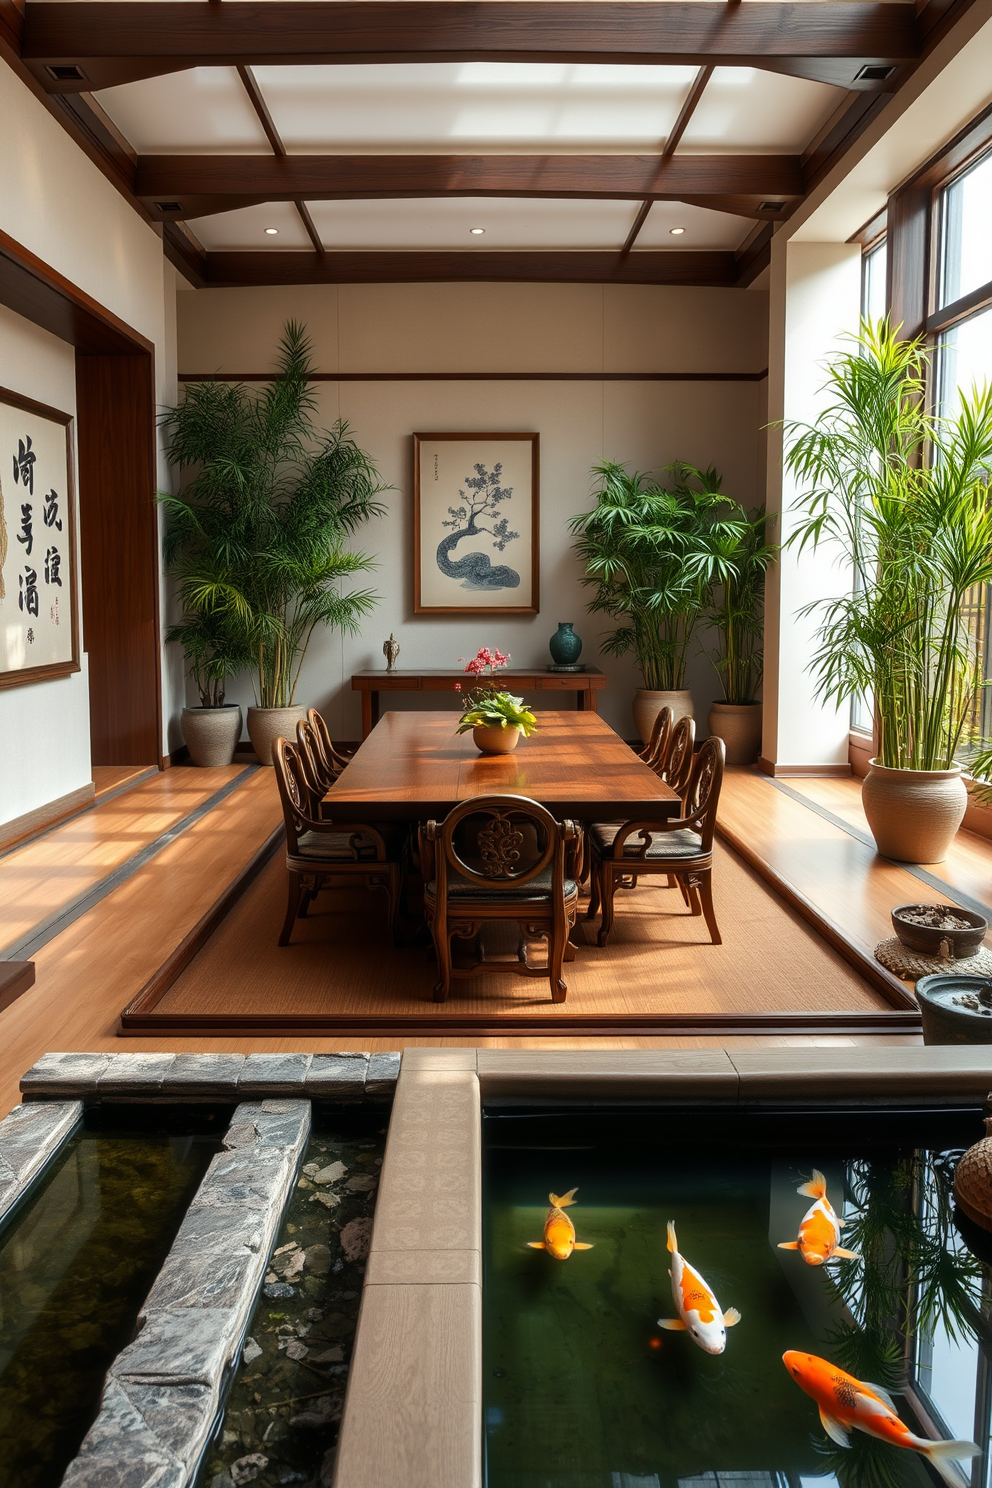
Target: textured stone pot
(648, 704)
(266, 725)
(973, 1180)
(211, 734)
(739, 726)
(495, 740)
(947, 1018)
(913, 814)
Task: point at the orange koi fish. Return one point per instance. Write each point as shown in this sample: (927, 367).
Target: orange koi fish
(699, 1313)
(559, 1232)
(846, 1404)
(819, 1233)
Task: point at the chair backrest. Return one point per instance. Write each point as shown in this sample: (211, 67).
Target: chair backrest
(674, 768)
(657, 746)
(312, 763)
(702, 793)
(498, 842)
(294, 793)
(334, 762)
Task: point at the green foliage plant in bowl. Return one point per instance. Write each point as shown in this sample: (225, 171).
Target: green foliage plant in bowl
(736, 614)
(652, 556)
(496, 719)
(214, 652)
(902, 493)
(256, 537)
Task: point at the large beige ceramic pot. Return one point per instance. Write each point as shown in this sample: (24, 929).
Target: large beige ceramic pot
(648, 704)
(739, 726)
(495, 740)
(211, 734)
(266, 725)
(913, 814)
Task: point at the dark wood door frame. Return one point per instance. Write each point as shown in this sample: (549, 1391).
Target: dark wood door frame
(115, 427)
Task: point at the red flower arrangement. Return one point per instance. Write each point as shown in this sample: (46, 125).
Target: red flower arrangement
(486, 662)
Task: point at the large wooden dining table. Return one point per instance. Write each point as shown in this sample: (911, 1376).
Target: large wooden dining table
(414, 767)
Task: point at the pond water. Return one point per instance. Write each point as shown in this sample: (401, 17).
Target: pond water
(77, 1260)
(583, 1389)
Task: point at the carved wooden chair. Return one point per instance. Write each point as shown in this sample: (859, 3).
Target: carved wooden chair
(675, 765)
(334, 760)
(499, 858)
(657, 746)
(321, 853)
(681, 848)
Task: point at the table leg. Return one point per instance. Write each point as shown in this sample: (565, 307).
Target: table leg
(591, 700)
(375, 706)
(366, 712)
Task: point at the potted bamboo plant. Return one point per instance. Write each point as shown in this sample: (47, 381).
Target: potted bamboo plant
(256, 536)
(736, 613)
(903, 494)
(214, 653)
(652, 556)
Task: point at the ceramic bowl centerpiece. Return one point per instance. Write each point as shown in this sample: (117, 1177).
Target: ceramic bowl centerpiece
(940, 929)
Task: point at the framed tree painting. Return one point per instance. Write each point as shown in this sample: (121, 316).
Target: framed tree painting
(38, 602)
(476, 504)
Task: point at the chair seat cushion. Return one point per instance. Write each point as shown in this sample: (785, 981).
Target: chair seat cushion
(681, 843)
(336, 847)
(535, 891)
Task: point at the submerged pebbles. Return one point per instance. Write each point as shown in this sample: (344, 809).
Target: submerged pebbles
(284, 1409)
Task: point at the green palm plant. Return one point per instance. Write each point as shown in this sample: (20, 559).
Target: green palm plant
(737, 609)
(652, 556)
(904, 494)
(255, 538)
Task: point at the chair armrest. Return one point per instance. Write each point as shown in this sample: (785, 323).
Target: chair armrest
(334, 828)
(666, 824)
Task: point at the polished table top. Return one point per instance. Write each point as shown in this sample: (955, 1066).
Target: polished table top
(413, 767)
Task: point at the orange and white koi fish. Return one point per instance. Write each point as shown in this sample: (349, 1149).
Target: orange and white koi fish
(699, 1313)
(819, 1233)
(559, 1232)
(847, 1405)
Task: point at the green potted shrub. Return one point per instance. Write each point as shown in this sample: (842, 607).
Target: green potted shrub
(652, 556)
(496, 719)
(736, 613)
(211, 731)
(256, 536)
(903, 494)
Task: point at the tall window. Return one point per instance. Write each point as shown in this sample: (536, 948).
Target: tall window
(873, 268)
(963, 323)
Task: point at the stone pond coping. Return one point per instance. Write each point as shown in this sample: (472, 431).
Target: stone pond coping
(164, 1391)
(413, 1408)
(30, 1136)
(94, 1078)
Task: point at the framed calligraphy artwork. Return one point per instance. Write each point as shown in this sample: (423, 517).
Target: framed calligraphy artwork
(476, 500)
(39, 624)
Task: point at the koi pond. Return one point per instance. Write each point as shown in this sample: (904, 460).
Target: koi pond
(77, 1259)
(596, 1375)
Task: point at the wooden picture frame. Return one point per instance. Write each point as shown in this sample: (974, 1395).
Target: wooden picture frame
(39, 599)
(478, 580)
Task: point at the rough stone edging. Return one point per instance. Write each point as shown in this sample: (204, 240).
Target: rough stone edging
(164, 1391)
(94, 1078)
(30, 1136)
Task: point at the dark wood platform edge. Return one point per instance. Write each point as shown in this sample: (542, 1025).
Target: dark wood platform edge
(140, 1019)
(891, 988)
(16, 978)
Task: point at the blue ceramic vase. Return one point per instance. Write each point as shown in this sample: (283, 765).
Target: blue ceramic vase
(565, 646)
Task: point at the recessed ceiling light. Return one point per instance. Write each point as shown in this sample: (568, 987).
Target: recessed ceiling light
(676, 232)
(271, 231)
(477, 231)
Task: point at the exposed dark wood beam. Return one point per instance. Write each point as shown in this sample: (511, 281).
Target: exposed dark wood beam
(262, 110)
(231, 270)
(678, 129)
(635, 228)
(185, 255)
(117, 41)
(202, 184)
(310, 226)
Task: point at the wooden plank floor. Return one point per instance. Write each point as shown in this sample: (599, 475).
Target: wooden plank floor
(45, 875)
(108, 778)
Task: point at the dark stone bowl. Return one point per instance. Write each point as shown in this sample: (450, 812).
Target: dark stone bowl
(944, 1021)
(928, 939)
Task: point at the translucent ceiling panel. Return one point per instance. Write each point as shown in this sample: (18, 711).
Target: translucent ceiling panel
(447, 223)
(701, 229)
(744, 111)
(246, 228)
(199, 112)
(473, 106)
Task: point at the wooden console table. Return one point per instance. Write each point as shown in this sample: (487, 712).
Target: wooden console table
(585, 685)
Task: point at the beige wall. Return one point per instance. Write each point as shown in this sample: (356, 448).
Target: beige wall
(503, 328)
(56, 203)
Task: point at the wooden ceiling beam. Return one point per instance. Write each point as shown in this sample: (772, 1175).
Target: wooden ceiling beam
(182, 186)
(117, 41)
(230, 270)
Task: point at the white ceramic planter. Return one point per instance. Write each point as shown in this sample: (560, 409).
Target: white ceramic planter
(648, 704)
(495, 740)
(739, 726)
(266, 725)
(913, 814)
(211, 734)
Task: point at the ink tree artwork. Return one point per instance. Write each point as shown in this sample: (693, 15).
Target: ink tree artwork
(476, 519)
(480, 505)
